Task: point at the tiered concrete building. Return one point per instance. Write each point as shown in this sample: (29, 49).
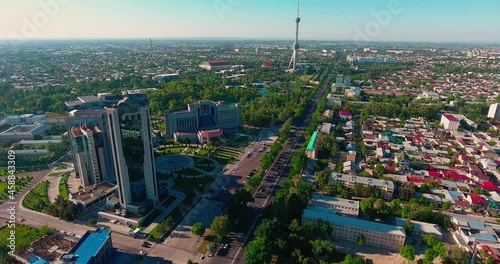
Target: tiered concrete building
(202, 115)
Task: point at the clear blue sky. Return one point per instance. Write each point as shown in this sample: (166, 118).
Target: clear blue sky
(417, 20)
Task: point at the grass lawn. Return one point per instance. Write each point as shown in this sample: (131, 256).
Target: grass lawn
(228, 152)
(174, 150)
(4, 187)
(62, 167)
(306, 78)
(188, 172)
(202, 152)
(5, 172)
(25, 235)
(203, 247)
(63, 187)
(133, 227)
(54, 174)
(38, 199)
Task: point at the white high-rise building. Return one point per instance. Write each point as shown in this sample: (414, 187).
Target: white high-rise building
(494, 111)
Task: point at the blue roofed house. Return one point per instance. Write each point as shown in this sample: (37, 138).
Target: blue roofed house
(473, 231)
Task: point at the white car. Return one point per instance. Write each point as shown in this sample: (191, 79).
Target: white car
(142, 253)
(225, 246)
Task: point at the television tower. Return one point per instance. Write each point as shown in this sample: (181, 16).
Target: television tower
(150, 43)
(292, 67)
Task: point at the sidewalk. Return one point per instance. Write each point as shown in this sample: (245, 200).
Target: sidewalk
(180, 196)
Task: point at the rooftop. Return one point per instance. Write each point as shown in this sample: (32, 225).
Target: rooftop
(358, 223)
(334, 201)
(450, 118)
(362, 180)
(310, 146)
(89, 245)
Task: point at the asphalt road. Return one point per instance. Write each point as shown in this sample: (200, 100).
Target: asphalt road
(266, 192)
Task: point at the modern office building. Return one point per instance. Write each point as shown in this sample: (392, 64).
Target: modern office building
(203, 115)
(95, 247)
(337, 205)
(114, 145)
(91, 147)
(376, 234)
(494, 111)
(132, 150)
(386, 187)
(216, 65)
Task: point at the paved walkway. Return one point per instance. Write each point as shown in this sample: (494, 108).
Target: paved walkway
(53, 191)
(180, 196)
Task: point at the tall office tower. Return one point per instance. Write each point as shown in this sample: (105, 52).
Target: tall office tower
(132, 148)
(90, 147)
(292, 67)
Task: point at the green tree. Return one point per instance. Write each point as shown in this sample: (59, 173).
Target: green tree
(458, 256)
(366, 206)
(92, 222)
(361, 240)
(408, 252)
(257, 252)
(490, 260)
(408, 227)
(350, 259)
(322, 178)
(379, 169)
(221, 226)
(198, 229)
(447, 205)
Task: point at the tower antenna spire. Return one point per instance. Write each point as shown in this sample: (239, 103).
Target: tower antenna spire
(292, 66)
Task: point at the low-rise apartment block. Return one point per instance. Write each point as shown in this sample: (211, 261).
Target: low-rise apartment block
(387, 187)
(338, 205)
(376, 234)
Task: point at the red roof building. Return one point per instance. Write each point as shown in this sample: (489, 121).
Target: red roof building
(345, 114)
(475, 199)
(267, 64)
(489, 186)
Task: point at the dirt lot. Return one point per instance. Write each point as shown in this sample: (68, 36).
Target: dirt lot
(371, 254)
(62, 244)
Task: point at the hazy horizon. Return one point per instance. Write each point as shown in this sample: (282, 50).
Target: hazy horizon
(458, 21)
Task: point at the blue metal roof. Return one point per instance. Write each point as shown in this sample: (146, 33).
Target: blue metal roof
(38, 260)
(90, 245)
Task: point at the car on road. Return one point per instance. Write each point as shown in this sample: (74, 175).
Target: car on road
(202, 257)
(142, 253)
(225, 246)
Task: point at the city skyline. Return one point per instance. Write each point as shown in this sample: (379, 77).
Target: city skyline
(392, 20)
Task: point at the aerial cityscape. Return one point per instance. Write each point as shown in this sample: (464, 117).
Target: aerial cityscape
(251, 132)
